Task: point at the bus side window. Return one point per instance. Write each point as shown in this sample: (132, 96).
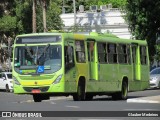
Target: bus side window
(102, 55)
(128, 54)
(112, 53)
(80, 51)
(143, 55)
(69, 58)
(122, 53)
(133, 55)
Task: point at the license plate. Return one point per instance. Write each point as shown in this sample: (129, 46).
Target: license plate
(36, 91)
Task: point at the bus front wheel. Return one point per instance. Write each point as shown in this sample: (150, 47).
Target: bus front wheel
(37, 98)
(80, 95)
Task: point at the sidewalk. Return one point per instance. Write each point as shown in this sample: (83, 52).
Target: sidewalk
(150, 99)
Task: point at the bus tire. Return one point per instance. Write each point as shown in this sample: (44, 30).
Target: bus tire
(80, 95)
(37, 98)
(123, 94)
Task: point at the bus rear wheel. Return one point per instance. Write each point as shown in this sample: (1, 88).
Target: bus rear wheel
(123, 94)
(80, 95)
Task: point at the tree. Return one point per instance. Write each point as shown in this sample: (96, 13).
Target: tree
(34, 17)
(44, 15)
(143, 18)
(88, 3)
(53, 10)
(24, 15)
(7, 28)
(23, 10)
(16, 18)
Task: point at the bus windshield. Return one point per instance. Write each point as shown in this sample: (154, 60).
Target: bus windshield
(28, 59)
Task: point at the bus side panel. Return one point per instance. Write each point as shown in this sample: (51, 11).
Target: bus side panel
(108, 76)
(145, 69)
(107, 79)
(70, 80)
(125, 70)
(82, 70)
(145, 77)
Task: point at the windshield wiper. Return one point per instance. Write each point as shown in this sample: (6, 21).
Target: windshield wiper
(28, 50)
(44, 51)
(35, 57)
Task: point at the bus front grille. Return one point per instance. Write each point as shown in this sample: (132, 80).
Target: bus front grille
(29, 89)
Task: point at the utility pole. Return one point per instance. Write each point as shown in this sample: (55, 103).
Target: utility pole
(63, 9)
(9, 53)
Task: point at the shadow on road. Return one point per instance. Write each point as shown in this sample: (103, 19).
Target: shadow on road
(130, 97)
(2, 90)
(105, 98)
(153, 89)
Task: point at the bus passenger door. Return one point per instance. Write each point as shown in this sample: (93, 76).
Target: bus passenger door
(136, 62)
(93, 63)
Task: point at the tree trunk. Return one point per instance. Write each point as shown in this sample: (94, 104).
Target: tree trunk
(34, 28)
(44, 15)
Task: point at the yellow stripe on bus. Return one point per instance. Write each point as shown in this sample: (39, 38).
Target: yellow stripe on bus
(36, 82)
(79, 37)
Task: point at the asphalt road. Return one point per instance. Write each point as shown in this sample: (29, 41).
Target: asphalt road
(12, 102)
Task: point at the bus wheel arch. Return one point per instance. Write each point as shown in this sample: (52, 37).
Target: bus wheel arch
(123, 94)
(80, 94)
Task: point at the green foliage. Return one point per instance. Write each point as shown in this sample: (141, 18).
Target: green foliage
(88, 3)
(52, 15)
(7, 18)
(115, 3)
(23, 11)
(18, 19)
(7, 24)
(143, 17)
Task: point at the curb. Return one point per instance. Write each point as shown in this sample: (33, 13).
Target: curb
(151, 99)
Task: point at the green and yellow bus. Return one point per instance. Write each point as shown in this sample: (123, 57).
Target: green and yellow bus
(51, 64)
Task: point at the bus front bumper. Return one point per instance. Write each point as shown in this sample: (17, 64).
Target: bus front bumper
(19, 89)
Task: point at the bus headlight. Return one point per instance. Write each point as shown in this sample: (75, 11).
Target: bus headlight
(57, 79)
(16, 81)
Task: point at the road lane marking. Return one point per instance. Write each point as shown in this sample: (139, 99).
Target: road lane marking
(98, 119)
(60, 98)
(53, 103)
(141, 109)
(72, 106)
(141, 101)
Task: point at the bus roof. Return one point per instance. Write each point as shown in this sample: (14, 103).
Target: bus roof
(96, 37)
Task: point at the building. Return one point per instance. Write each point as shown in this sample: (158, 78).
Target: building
(108, 20)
